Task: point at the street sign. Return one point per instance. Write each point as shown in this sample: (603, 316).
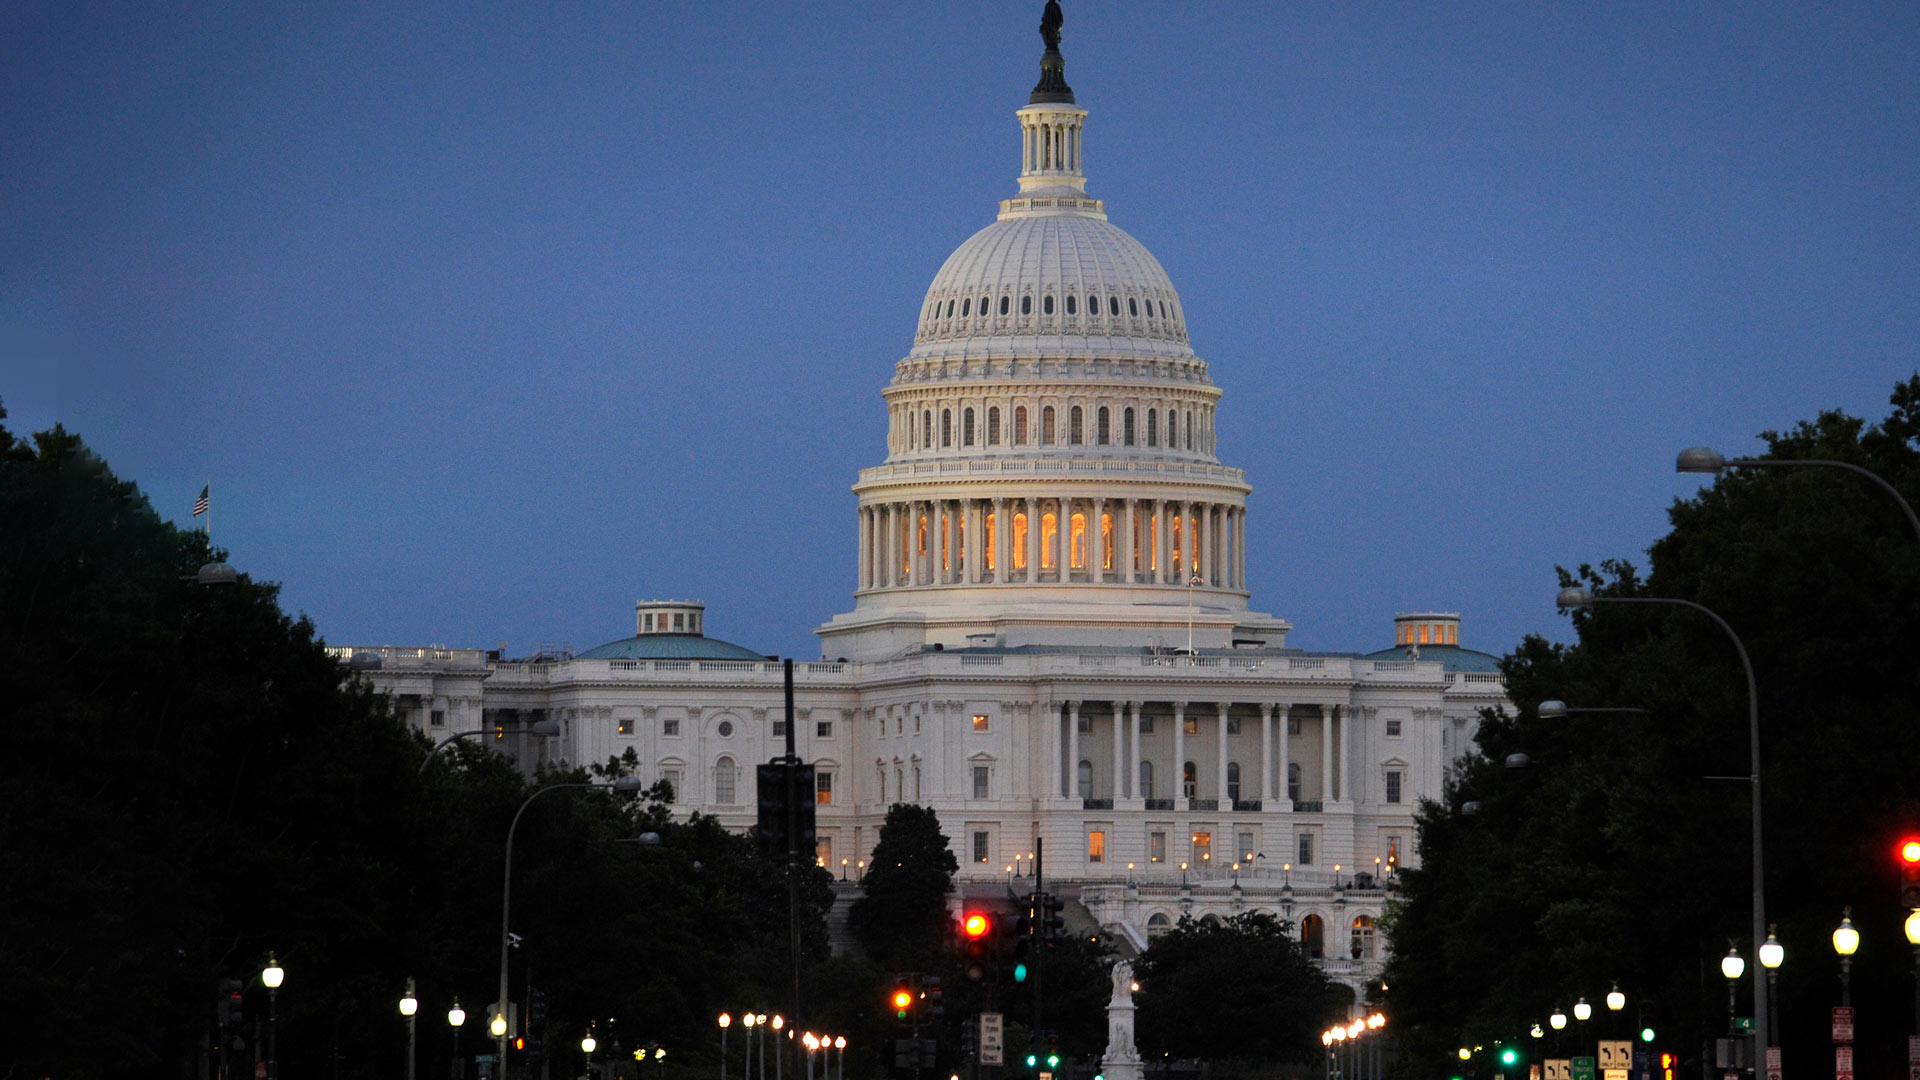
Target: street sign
(1843, 1023)
(1843, 1063)
(1616, 1058)
(992, 1038)
(1559, 1069)
(1913, 1051)
(1743, 1023)
(1773, 1063)
(1583, 1068)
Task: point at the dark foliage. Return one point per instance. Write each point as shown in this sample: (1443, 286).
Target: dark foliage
(1238, 989)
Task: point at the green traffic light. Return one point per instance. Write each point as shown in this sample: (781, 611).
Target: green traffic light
(1032, 1060)
(1646, 1034)
(1509, 1056)
(1053, 1061)
(1019, 973)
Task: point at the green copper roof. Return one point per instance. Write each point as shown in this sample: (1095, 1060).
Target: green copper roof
(670, 647)
(1451, 657)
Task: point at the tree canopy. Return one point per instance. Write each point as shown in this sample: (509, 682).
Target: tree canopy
(1238, 988)
(1621, 855)
(902, 920)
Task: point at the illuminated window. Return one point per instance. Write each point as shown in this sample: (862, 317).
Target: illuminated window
(1191, 724)
(1046, 426)
(823, 851)
(981, 722)
(966, 427)
(1202, 848)
(1146, 780)
(1070, 303)
(1026, 305)
(1102, 430)
(1049, 540)
(1096, 846)
(1106, 541)
(1153, 427)
(1077, 542)
(823, 787)
(625, 725)
(1019, 541)
(993, 425)
(1020, 425)
(988, 523)
(1074, 427)
(1046, 304)
(980, 842)
(1157, 852)
(1174, 541)
(1393, 785)
(1362, 946)
(1126, 426)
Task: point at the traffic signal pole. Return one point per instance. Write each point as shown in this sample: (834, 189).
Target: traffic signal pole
(792, 762)
(1039, 946)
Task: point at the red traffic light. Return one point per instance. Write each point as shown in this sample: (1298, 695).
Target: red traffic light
(902, 999)
(976, 925)
(1910, 850)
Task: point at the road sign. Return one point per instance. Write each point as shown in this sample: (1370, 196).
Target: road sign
(1913, 1051)
(1616, 1058)
(1559, 1069)
(1773, 1063)
(992, 1038)
(1843, 1023)
(1583, 1068)
(1743, 1023)
(1843, 1063)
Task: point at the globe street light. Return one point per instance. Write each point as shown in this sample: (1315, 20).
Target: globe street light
(1582, 1011)
(1575, 596)
(725, 1023)
(1732, 965)
(1558, 1020)
(1846, 940)
(1705, 459)
(1616, 1001)
(1913, 939)
(840, 1044)
(1771, 954)
(456, 1018)
(271, 977)
(409, 1004)
(623, 785)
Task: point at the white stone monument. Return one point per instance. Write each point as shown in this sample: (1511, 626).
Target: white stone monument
(1122, 1060)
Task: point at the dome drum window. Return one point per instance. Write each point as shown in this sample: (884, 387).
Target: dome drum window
(1074, 430)
(993, 418)
(1026, 305)
(1133, 307)
(966, 428)
(949, 309)
(1071, 299)
(1004, 303)
(1046, 304)
(1104, 431)
(1113, 305)
(946, 427)
(966, 307)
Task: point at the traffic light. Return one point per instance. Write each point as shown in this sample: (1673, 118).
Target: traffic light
(1509, 1056)
(232, 1006)
(935, 997)
(1668, 1063)
(902, 998)
(977, 937)
(1909, 853)
(1649, 1022)
(1053, 928)
(771, 784)
(1020, 972)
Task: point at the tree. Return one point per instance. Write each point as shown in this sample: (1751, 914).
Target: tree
(901, 919)
(1235, 989)
(1617, 856)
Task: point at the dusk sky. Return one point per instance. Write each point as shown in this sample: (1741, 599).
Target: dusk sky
(486, 321)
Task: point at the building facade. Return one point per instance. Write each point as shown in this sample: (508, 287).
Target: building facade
(1051, 642)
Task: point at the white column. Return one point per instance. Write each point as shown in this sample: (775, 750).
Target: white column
(1226, 803)
(1073, 750)
(1241, 569)
(1203, 541)
(890, 544)
(1266, 755)
(1180, 750)
(1063, 537)
(1123, 559)
(1280, 766)
(1033, 539)
(1001, 529)
(1157, 574)
(1096, 542)
(1346, 753)
(1053, 747)
(1133, 759)
(1326, 752)
(1119, 750)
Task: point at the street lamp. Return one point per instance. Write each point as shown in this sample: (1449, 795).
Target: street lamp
(1576, 596)
(1582, 1011)
(1616, 1001)
(623, 785)
(1845, 941)
(725, 1023)
(1558, 1019)
(840, 1044)
(1733, 965)
(1771, 954)
(409, 1004)
(1705, 459)
(1560, 710)
(1913, 939)
(456, 1018)
(271, 977)
(779, 1051)
(812, 1043)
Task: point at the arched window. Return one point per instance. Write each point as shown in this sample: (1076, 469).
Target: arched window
(1133, 307)
(1361, 947)
(882, 779)
(993, 425)
(984, 301)
(1075, 434)
(1019, 541)
(1163, 309)
(1153, 427)
(724, 775)
(1026, 305)
(1077, 542)
(1019, 425)
(1003, 304)
(1146, 779)
(1313, 935)
(1233, 780)
(1046, 426)
(949, 309)
(1126, 426)
(1173, 430)
(1049, 539)
(966, 307)
(1046, 304)
(1103, 430)
(1083, 779)
(1072, 300)
(966, 427)
(1293, 781)
(926, 429)
(1189, 429)
(1190, 781)
(1106, 541)
(1158, 924)
(988, 521)
(946, 427)
(1113, 305)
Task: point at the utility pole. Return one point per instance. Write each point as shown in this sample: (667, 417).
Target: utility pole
(792, 763)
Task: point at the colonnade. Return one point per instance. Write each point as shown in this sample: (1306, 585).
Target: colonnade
(1335, 767)
(1028, 540)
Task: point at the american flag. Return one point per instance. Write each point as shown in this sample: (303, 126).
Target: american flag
(200, 504)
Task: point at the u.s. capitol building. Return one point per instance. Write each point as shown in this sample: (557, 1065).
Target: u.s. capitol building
(1050, 637)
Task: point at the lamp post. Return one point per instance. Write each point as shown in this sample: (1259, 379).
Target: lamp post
(498, 1024)
(1576, 596)
(1560, 710)
(840, 1044)
(588, 1044)
(1616, 1001)
(271, 977)
(1705, 459)
(779, 1051)
(1733, 965)
(409, 1004)
(1913, 939)
(725, 1023)
(1771, 955)
(812, 1043)
(456, 1019)
(1846, 940)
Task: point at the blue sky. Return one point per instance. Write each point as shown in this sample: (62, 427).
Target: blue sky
(488, 320)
